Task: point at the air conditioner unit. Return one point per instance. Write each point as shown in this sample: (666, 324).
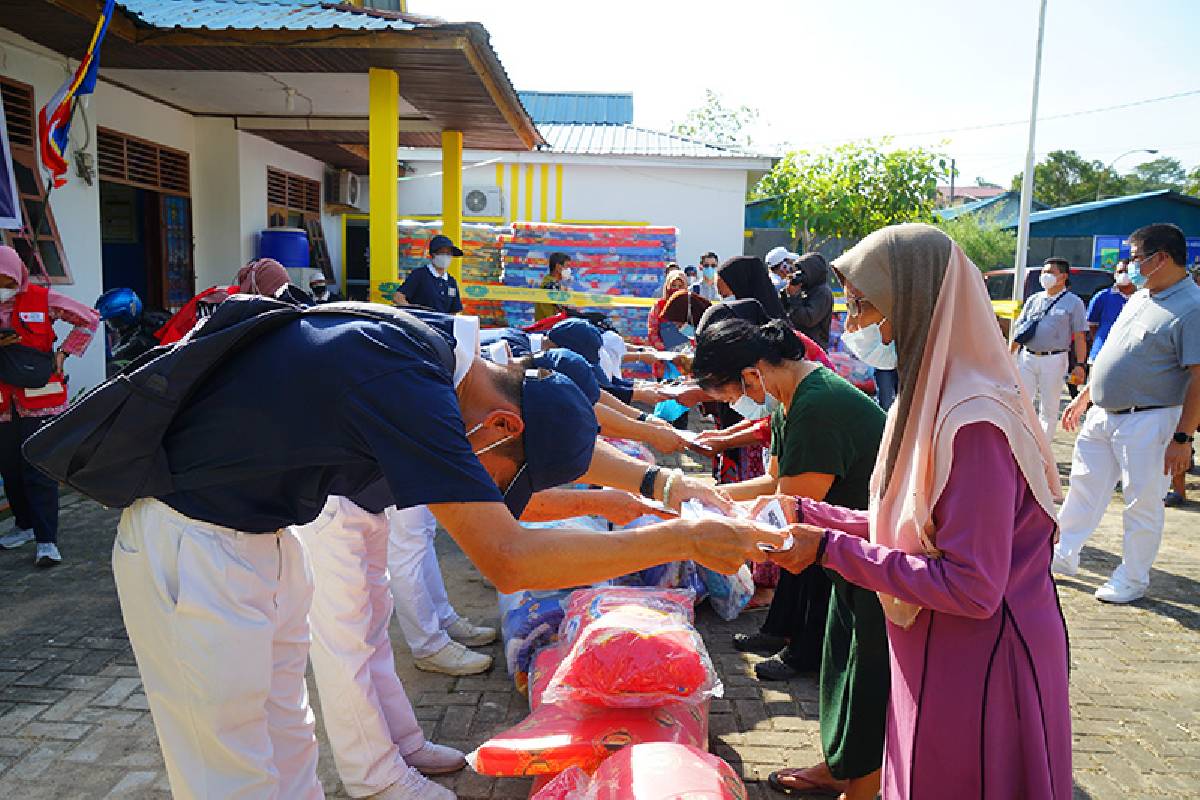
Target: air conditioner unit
(482, 201)
(342, 188)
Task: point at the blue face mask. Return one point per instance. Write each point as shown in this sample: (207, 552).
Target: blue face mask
(866, 344)
(688, 330)
(1136, 276)
(750, 408)
(710, 273)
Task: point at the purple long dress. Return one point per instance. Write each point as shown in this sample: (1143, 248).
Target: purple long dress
(979, 705)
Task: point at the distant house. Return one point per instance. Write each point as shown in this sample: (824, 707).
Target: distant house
(965, 194)
(597, 167)
(1002, 209)
(1096, 233)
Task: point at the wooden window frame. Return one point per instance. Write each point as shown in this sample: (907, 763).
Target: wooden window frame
(142, 163)
(25, 156)
(289, 193)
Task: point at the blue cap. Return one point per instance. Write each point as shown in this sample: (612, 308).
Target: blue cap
(560, 434)
(439, 241)
(579, 336)
(574, 367)
(119, 305)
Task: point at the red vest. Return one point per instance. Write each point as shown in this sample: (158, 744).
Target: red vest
(32, 322)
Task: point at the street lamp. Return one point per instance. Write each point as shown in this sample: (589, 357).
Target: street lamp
(1100, 180)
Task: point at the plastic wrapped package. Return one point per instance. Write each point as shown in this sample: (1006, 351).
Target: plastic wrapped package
(728, 594)
(633, 656)
(629, 447)
(553, 738)
(585, 606)
(652, 771)
(529, 622)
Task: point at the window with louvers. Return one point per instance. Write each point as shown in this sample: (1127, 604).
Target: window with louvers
(291, 199)
(37, 241)
(146, 165)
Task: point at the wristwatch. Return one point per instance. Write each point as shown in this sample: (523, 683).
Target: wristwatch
(1183, 438)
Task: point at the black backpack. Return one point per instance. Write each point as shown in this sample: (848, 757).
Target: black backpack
(109, 444)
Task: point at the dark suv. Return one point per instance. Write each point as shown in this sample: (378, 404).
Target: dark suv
(1084, 281)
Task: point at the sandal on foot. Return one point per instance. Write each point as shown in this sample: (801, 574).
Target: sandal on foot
(800, 782)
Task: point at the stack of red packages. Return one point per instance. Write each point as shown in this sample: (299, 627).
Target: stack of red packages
(629, 668)
(655, 771)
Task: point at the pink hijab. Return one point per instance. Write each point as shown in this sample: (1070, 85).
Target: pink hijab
(266, 276)
(12, 266)
(955, 370)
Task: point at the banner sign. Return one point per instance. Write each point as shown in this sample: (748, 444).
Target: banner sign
(1107, 250)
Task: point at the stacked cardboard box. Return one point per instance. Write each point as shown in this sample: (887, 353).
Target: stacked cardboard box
(616, 260)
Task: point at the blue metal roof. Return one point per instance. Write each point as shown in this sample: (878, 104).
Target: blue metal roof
(630, 140)
(1111, 202)
(579, 108)
(261, 15)
(1003, 209)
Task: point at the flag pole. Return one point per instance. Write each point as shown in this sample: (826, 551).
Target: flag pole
(1027, 179)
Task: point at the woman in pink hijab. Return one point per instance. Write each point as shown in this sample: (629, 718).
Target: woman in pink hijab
(957, 541)
(28, 312)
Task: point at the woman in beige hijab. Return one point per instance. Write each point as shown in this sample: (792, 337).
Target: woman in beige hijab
(957, 541)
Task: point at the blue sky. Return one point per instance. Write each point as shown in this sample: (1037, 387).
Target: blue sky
(824, 72)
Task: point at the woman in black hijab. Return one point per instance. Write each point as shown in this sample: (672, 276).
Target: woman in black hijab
(745, 277)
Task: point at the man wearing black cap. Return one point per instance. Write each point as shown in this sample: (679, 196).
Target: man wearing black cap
(433, 287)
(215, 588)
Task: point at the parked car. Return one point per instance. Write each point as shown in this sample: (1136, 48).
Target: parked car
(1083, 281)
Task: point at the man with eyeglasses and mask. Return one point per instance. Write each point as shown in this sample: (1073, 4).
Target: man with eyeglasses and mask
(1145, 387)
(215, 587)
(706, 287)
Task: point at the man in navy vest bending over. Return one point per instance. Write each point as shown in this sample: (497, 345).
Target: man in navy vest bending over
(215, 589)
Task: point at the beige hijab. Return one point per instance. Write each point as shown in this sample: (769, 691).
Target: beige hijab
(954, 370)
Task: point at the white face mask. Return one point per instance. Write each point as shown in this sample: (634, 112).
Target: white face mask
(442, 262)
(866, 344)
(750, 408)
(1048, 280)
(7, 294)
(567, 273)
(1123, 279)
(491, 446)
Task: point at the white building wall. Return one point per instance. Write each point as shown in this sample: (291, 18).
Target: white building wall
(216, 202)
(706, 204)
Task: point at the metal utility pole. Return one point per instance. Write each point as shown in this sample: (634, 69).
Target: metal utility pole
(950, 202)
(1027, 179)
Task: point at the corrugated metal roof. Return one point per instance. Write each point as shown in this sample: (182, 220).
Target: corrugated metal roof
(579, 108)
(261, 15)
(630, 140)
(1096, 205)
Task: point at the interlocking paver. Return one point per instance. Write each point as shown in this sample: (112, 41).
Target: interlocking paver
(73, 719)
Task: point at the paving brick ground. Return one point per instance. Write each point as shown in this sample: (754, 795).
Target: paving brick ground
(74, 722)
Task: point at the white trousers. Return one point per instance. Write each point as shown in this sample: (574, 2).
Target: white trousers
(368, 717)
(218, 621)
(1043, 378)
(422, 607)
(1129, 448)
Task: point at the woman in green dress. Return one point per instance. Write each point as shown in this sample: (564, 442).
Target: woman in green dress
(826, 436)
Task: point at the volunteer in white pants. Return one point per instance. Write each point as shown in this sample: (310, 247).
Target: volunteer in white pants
(1061, 324)
(1146, 389)
(437, 636)
(372, 729)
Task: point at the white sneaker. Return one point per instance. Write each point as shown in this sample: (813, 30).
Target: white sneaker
(454, 659)
(16, 538)
(414, 786)
(436, 759)
(47, 555)
(463, 631)
(1064, 565)
(1114, 592)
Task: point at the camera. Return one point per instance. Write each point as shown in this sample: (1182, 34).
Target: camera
(797, 279)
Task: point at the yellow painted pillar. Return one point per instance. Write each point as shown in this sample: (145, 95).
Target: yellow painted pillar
(452, 143)
(384, 139)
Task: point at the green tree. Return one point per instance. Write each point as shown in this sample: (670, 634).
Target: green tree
(1161, 173)
(713, 121)
(1192, 185)
(852, 190)
(1064, 178)
(983, 240)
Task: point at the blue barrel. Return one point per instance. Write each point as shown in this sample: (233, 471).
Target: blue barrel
(288, 246)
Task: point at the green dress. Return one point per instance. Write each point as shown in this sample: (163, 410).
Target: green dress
(835, 429)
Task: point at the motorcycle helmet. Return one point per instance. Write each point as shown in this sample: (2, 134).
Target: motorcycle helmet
(119, 306)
